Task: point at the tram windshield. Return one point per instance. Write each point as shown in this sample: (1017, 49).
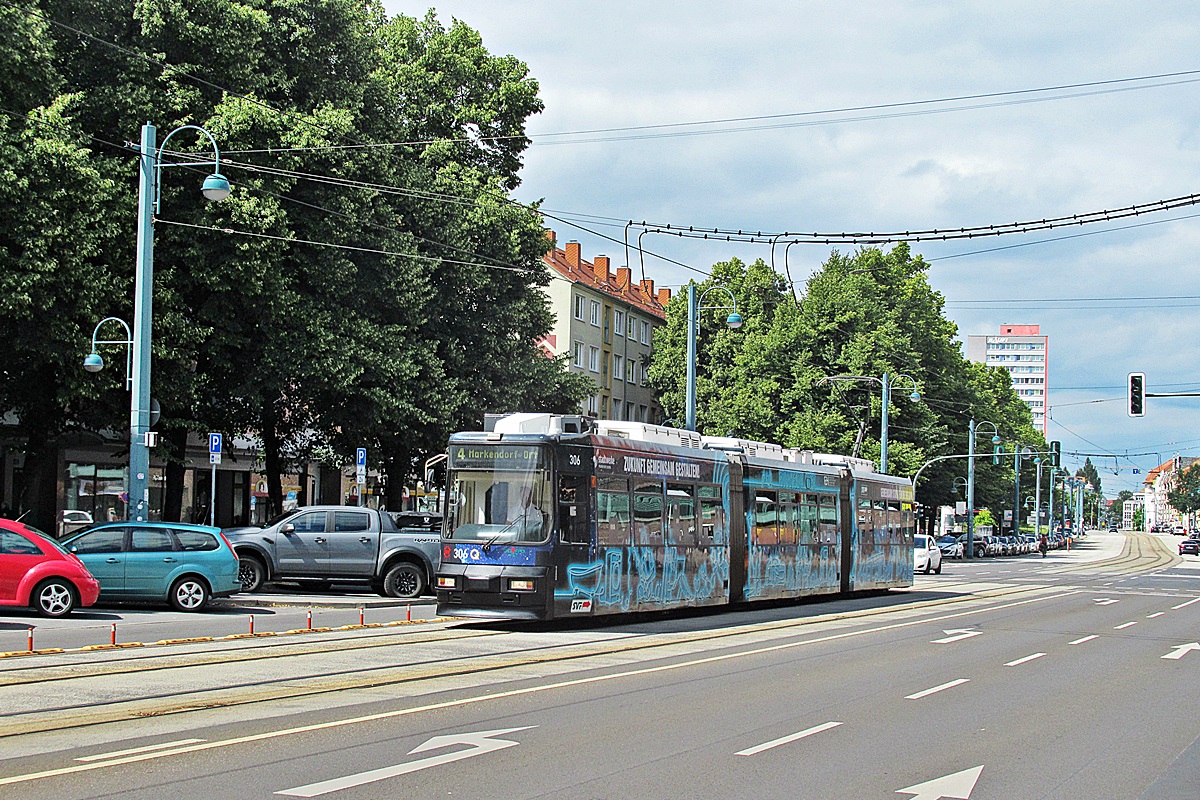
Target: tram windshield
(500, 507)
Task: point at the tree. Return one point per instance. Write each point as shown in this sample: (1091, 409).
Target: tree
(1184, 496)
(862, 315)
(1088, 472)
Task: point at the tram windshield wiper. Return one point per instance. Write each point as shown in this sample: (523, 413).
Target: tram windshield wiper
(488, 544)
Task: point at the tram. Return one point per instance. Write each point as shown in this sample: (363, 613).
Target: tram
(555, 516)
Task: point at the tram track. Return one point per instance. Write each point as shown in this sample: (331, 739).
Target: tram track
(1140, 553)
(304, 683)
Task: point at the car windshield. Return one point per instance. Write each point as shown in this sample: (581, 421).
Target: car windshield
(493, 506)
(920, 542)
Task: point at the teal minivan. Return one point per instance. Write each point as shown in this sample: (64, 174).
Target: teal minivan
(186, 565)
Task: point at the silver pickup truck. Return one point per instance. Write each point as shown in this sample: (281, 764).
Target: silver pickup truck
(320, 545)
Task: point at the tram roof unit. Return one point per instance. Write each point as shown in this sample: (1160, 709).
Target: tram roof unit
(570, 424)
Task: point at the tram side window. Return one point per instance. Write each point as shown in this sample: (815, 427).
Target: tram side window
(648, 514)
(712, 516)
(788, 518)
(766, 509)
(808, 520)
(574, 526)
(612, 512)
(681, 515)
(895, 522)
(829, 518)
(879, 517)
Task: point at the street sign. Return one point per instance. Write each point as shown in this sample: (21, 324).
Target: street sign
(214, 443)
(214, 458)
(362, 457)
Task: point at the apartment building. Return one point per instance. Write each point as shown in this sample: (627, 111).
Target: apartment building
(605, 321)
(1024, 353)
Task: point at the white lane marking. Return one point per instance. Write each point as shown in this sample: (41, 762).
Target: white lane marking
(1184, 605)
(484, 698)
(936, 689)
(956, 635)
(1182, 650)
(751, 751)
(1020, 661)
(958, 785)
(146, 749)
(1155, 614)
(1084, 639)
(1106, 601)
(1126, 625)
(481, 742)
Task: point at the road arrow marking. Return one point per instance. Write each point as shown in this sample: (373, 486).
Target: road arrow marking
(958, 786)
(751, 751)
(480, 743)
(1106, 601)
(957, 635)
(1182, 650)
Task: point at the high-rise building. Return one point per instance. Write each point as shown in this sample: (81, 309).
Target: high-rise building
(1024, 353)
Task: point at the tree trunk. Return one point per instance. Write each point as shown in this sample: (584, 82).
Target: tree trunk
(39, 496)
(271, 460)
(176, 441)
(397, 465)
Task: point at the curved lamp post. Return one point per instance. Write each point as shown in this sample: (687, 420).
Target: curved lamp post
(886, 382)
(695, 306)
(92, 362)
(972, 430)
(215, 187)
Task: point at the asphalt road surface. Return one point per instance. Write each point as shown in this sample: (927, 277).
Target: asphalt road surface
(1070, 677)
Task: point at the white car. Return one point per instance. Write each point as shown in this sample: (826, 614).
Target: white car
(927, 556)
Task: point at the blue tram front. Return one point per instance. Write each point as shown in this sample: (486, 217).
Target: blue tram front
(556, 516)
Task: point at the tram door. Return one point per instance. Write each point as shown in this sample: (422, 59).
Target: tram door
(738, 534)
(575, 548)
(846, 529)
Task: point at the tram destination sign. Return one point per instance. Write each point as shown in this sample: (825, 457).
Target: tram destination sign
(496, 457)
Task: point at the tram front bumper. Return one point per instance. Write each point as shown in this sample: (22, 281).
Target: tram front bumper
(494, 592)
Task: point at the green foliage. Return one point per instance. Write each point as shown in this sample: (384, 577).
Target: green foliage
(984, 517)
(1184, 496)
(424, 318)
(860, 317)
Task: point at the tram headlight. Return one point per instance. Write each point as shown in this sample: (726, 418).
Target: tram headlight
(520, 585)
(447, 582)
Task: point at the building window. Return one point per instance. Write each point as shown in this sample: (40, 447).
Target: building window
(618, 366)
(629, 365)
(616, 408)
(619, 322)
(579, 305)
(633, 327)
(591, 405)
(594, 359)
(645, 332)
(629, 411)
(579, 354)
(595, 316)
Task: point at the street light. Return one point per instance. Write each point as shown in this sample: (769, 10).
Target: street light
(886, 383)
(215, 187)
(972, 429)
(92, 362)
(734, 320)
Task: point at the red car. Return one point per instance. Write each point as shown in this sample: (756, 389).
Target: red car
(36, 571)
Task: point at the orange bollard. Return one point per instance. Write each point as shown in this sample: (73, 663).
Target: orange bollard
(361, 615)
(31, 640)
(409, 617)
(310, 619)
(113, 636)
(251, 623)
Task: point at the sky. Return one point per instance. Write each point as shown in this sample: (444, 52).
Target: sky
(1014, 157)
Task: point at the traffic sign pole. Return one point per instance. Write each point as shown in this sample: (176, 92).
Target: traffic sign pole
(214, 458)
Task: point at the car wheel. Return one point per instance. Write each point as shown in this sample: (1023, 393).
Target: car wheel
(928, 566)
(189, 593)
(404, 580)
(54, 598)
(939, 568)
(252, 573)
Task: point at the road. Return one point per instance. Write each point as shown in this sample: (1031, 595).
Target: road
(1068, 677)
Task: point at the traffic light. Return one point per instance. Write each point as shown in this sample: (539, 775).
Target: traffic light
(996, 451)
(1056, 454)
(1137, 394)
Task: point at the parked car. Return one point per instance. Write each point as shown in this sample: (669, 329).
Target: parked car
(978, 543)
(319, 545)
(1189, 547)
(950, 546)
(36, 571)
(1179, 530)
(927, 556)
(73, 520)
(185, 565)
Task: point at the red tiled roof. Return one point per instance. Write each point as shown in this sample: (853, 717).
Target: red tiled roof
(598, 275)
